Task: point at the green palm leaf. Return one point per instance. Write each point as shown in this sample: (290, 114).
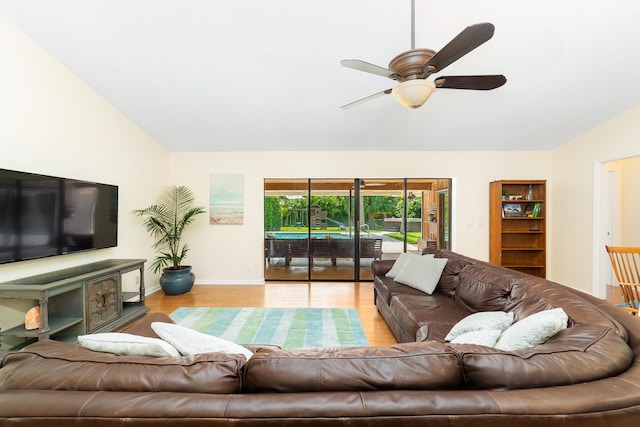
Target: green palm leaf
(166, 220)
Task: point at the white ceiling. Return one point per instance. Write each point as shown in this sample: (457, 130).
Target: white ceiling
(211, 75)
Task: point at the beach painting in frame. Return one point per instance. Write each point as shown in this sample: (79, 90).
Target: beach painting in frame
(226, 198)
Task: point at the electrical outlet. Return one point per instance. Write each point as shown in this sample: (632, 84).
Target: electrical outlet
(137, 280)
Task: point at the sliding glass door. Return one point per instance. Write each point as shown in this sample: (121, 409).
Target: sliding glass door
(381, 221)
(286, 225)
(332, 229)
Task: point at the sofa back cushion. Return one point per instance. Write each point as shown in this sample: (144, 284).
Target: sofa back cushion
(78, 368)
(481, 289)
(449, 278)
(577, 354)
(484, 287)
(407, 366)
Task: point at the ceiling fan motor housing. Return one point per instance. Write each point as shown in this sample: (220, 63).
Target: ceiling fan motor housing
(408, 65)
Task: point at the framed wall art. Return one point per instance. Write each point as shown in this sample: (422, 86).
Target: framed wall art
(226, 199)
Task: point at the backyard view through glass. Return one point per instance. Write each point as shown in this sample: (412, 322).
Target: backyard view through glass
(332, 229)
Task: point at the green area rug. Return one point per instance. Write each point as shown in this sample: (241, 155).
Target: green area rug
(284, 327)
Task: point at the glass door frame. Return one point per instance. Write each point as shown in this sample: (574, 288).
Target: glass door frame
(429, 191)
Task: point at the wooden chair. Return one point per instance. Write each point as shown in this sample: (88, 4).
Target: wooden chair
(626, 266)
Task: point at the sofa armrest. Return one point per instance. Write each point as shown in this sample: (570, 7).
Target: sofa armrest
(380, 267)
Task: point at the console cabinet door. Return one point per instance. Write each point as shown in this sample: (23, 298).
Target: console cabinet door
(103, 301)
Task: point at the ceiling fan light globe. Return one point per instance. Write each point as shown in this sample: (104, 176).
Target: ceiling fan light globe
(413, 93)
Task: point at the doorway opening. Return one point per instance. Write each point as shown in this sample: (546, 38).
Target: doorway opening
(615, 210)
(332, 229)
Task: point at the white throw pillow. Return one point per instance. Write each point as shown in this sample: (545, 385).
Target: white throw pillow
(422, 273)
(480, 321)
(127, 344)
(486, 337)
(533, 330)
(400, 262)
(190, 342)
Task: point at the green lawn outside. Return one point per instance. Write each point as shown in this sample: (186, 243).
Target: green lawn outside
(412, 236)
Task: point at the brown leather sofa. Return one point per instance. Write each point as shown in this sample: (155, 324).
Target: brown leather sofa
(587, 375)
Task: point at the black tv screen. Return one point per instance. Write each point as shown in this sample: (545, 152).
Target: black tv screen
(42, 216)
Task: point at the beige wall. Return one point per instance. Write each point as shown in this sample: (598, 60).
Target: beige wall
(577, 235)
(53, 123)
(233, 254)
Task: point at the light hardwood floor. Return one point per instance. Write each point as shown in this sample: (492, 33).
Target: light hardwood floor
(358, 295)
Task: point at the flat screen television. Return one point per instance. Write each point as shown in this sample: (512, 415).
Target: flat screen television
(42, 216)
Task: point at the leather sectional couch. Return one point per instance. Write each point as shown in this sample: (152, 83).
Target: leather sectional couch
(586, 375)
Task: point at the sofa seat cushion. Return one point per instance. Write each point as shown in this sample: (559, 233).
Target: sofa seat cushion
(407, 366)
(386, 288)
(427, 317)
(77, 368)
(578, 354)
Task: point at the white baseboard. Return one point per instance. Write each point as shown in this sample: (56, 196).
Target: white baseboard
(229, 282)
(149, 291)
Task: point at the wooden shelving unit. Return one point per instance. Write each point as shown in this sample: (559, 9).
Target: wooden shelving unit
(517, 225)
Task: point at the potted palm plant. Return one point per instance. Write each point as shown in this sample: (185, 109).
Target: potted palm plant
(165, 221)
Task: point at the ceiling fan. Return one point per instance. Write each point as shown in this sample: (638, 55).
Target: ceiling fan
(413, 67)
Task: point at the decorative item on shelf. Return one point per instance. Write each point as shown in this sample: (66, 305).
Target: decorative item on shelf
(32, 318)
(536, 210)
(511, 210)
(165, 221)
(515, 197)
(529, 195)
(528, 210)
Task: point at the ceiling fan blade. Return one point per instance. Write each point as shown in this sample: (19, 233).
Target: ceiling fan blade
(359, 65)
(366, 99)
(468, 39)
(470, 82)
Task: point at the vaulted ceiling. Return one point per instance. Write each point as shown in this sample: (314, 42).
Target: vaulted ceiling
(209, 75)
